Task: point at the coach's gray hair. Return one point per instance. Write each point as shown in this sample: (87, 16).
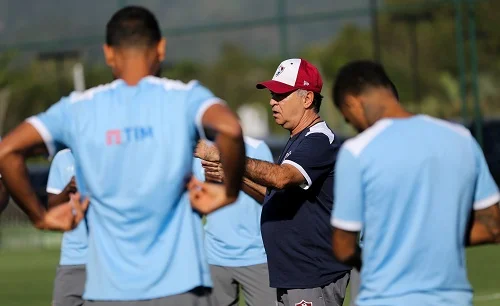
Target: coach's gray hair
(317, 98)
(302, 92)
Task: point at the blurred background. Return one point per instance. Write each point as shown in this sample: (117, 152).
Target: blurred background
(441, 54)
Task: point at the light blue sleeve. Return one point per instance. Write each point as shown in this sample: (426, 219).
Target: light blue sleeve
(198, 171)
(263, 153)
(53, 126)
(59, 177)
(348, 193)
(199, 100)
(486, 191)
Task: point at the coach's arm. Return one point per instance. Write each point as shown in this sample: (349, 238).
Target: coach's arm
(259, 174)
(256, 191)
(273, 176)
(214, 173)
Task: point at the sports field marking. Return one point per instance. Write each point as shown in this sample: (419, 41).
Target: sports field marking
(487, 297)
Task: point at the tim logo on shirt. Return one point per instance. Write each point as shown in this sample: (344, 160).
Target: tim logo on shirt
(129, 134)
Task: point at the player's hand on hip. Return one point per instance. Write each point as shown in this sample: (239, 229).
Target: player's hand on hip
(206, 151)
(66, 217)
(71, 187)
(208, 197)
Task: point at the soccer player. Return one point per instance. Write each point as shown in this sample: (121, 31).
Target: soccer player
(133, 141)
(233, 242)
(297, 193)
(69, 283)
(414, 185)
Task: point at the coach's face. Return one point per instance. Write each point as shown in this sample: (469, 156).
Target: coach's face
(287, 108)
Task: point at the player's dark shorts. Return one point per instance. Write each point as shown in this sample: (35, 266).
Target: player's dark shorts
(200, 296)
(69, 285)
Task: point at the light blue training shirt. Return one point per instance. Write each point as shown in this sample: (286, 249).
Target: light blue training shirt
(232, 233)
(410, 185)
(133, 148)
(74, 243)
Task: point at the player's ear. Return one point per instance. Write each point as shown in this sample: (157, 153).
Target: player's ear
(354, 111)
(352, 102)
(161, 49)
(109, 55)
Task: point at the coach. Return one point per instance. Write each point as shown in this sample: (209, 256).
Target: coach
(297, 193)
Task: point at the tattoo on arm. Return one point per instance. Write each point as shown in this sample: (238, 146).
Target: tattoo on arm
(490, 223)
(485, 227)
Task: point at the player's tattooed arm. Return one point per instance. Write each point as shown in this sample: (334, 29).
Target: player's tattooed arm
(271, 175)
(346, 248)
(484, 226)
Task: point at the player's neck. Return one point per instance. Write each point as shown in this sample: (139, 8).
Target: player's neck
(382, 104)
(134, 68)
(395, 111)
(132, 76)
(309, 119)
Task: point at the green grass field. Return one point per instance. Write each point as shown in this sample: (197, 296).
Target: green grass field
(26, 276)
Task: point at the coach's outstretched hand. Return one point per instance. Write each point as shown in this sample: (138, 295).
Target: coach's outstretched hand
(208, 152)
(213, 171)
(208, 197)
(66, 216)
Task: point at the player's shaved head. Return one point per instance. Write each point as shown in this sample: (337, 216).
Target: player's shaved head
(133, 26)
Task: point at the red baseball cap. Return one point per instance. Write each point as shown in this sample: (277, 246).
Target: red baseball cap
(294, 74)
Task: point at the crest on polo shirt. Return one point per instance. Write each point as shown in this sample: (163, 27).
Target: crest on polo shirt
(304, 303)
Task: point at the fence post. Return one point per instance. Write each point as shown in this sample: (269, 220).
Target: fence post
(460, 46)
(375, 31)
(471, 9)
(283, 28)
